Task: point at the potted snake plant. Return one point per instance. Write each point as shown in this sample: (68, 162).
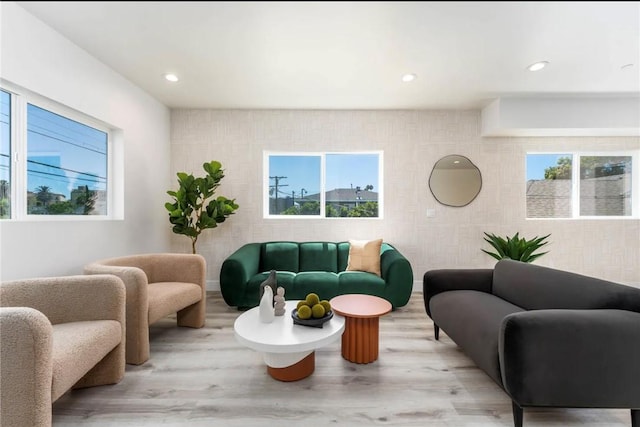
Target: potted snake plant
(516, 247)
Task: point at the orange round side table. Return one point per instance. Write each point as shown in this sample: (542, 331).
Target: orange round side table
(362, 314)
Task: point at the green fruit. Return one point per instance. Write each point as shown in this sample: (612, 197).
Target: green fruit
(312, 299)
(304, 312)
(301, 303)
(326, 305)
(317, 311)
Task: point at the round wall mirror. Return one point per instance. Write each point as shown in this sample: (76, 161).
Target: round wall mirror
(455, 181)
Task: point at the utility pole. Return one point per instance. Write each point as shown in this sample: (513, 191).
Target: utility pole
(293, 197)
(275, 187)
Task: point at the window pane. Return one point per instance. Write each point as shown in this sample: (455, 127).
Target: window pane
(549, 185)
(66, 166)
(352, 185)
(294, 185)
(5, 155)
(605, 185)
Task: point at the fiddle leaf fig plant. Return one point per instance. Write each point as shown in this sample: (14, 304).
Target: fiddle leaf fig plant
(517, 248)
(189, 212)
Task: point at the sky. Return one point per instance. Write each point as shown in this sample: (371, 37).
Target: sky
(342, 171)
(537, 163)
(62, 154)
(294, 174)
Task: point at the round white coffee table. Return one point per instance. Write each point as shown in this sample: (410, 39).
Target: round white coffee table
(289, 350)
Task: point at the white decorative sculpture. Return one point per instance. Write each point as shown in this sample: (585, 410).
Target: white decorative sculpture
(266, 306)
(279, 302)
(270, 282)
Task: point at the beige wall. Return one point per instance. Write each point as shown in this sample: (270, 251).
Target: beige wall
(412, 142)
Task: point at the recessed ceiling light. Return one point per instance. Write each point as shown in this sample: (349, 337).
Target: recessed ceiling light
(171, 77)
(408, 78)
(537, 66)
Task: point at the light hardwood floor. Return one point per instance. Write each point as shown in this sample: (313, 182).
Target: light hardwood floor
(203, 377)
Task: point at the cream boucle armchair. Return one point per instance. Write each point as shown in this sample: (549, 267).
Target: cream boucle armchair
(57, 333)
(157, 285)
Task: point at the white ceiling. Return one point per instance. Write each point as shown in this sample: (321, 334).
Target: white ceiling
(352, 55)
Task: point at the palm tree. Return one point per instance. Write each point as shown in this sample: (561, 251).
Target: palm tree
(44, 195)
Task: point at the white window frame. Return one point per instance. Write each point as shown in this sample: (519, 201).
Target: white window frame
(19, 99)
(575, 183)
(12, 153)
(322, 155)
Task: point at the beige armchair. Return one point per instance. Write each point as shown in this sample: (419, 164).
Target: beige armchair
(57, 333)
(157, 285)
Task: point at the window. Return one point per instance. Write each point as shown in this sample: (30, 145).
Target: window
(5, 155)
(66, 165)
(605, 185)
(61, 160)
(328, 185)
(290, 175)
(602, 185)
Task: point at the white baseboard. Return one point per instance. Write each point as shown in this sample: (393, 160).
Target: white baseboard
(213, 285)
(417, 286)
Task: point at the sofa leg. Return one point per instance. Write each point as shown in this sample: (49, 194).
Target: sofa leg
(635, 418)
(517, 414)
(436, 331)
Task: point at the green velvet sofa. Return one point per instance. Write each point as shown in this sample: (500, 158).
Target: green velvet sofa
(304, 267)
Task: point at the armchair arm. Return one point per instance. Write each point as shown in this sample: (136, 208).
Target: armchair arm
(236, 271)
(137, 307)
(437, 281)
(68, 298)
(572, 358)
(396, 271)
(25, 367)
(169, 267)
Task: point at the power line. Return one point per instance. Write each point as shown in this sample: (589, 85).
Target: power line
(66, 142)
(91, 177)
(67, 180)
(59, 139)
(68, 124)
(87, 141)
(59, 124)
(66, 169)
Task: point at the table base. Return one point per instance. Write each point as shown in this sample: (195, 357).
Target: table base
(295, 372)
(360, 339)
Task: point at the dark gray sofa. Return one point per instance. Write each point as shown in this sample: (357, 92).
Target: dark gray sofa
(549, 338)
